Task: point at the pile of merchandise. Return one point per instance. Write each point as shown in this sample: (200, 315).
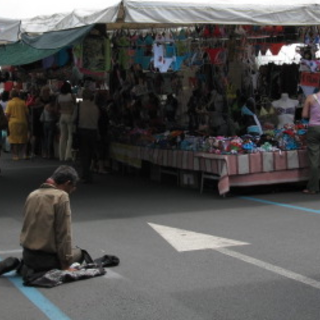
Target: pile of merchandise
(291, 137)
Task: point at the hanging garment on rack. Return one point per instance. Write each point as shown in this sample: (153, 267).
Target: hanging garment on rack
(123, 58)
(93, 56)
(160, 60)
(217, 55)
(143, 53)
(181, 48)
(276, 47)
(197, 58)
(245, 111)
(182, 35)
(170, 50)
(177, 59)
(289, 78)
(139, 54)
(177, 63)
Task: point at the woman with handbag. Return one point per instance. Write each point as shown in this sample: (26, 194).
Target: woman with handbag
(88, 117)
(66, 103)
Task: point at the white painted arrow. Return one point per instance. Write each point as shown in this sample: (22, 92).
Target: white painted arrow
(184, 240)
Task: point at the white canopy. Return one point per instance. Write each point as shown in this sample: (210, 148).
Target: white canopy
(43, 16)
(9, 30)
(237, 12)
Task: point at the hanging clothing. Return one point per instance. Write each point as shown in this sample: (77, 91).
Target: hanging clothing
(124, 58)
(160, 61)
(252, 128)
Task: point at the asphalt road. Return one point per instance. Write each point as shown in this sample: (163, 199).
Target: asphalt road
(165, 272)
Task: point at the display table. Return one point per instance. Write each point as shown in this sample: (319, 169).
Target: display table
(260, 168)
(126, 154)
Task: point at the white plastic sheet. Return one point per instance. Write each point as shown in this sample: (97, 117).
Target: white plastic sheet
(236, 12)
(43, 16)
(9, 30)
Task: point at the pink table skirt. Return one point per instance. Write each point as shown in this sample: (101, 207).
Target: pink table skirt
(234, 170)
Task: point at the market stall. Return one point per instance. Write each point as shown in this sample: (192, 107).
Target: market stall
(189, 95)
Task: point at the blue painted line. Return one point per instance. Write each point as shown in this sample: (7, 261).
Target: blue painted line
(39, 300)
(281, 204)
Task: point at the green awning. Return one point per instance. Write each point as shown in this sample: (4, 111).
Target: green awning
(56, 39)
(31, 49)
(20, 53)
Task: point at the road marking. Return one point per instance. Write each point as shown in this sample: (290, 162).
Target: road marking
(184, 240)
(281, 204)
(40, 301)
(112, 275)
(267, 266)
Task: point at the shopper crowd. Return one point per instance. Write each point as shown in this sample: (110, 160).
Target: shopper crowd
(63, 124)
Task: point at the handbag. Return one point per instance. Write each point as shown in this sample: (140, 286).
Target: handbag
(3, 120)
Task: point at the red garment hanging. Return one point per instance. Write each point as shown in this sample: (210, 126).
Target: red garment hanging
(215, 55)
(8, 85)
(216, 32)
(276, 47)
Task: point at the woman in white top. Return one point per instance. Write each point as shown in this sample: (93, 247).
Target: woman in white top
(285, 109)
(66, 103)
